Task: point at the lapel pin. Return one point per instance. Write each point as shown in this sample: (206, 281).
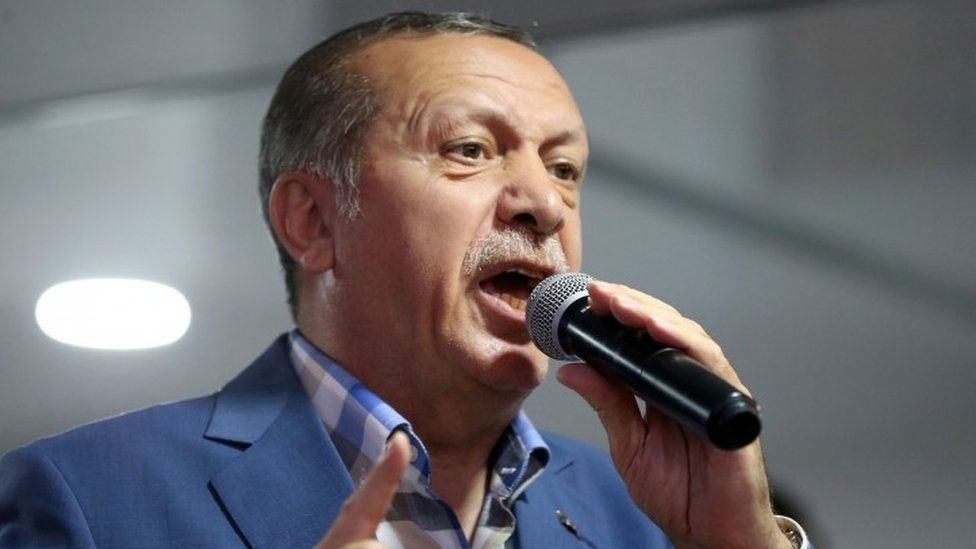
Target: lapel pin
(568, 524)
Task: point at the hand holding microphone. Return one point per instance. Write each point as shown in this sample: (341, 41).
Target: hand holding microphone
(563, 326)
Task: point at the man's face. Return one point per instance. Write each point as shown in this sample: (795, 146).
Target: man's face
(478, 139)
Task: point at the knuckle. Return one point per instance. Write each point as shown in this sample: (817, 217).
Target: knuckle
(715, 353)
(713, 346)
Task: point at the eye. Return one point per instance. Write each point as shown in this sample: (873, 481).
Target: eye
(565, 171)
(469, 150)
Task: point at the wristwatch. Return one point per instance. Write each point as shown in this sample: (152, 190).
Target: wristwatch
(792, 530)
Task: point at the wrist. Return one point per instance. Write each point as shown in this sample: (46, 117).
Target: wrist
(771, 535)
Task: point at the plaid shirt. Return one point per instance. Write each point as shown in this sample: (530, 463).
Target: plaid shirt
(359, 424)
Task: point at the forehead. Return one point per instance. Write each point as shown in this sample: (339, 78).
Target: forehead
(405, 53)
(410, 66)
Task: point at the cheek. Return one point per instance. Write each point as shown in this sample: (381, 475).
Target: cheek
(436, 235)
(455, 214)
(572, 243)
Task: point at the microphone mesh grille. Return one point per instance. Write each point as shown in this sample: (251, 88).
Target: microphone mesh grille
(545, 307)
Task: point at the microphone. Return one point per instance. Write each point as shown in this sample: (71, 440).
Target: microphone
(563, 326)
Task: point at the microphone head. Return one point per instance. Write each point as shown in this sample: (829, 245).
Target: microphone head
(544, 311)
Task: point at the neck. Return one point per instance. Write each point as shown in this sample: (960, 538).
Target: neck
(462, 485)
(459, 427)
(459, 453)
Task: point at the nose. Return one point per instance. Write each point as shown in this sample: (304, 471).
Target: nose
(531, 199)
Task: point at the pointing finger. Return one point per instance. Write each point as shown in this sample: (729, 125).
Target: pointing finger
(363, 512)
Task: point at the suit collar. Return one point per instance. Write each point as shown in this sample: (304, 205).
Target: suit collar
(253, 400)
(288, 483)
(559, 460)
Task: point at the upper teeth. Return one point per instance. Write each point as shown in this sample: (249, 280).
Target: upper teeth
(529, 274)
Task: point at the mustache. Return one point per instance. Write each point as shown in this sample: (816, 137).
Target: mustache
(514, 243)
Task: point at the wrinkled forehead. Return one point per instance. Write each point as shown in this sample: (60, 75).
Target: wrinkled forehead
(406, 62)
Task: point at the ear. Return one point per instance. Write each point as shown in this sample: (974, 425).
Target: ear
(302, 211)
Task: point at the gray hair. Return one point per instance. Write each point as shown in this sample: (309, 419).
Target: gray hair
(323, 109)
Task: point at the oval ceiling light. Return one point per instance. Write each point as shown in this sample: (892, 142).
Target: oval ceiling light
(113, 313)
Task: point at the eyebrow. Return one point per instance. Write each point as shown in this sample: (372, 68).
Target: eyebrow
(568, 137)
(449, 119)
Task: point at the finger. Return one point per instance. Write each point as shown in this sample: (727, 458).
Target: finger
(700, 347)
(664, 324)
(635, 309)
(363, 512)
(602, 293)
(375, 494)
(638, 310)
(600, 296)
(615, 405)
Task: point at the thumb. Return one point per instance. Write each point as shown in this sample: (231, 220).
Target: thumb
(362, 513)
(615, 406)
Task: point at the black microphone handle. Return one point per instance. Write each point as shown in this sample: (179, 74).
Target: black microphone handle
(666, 378)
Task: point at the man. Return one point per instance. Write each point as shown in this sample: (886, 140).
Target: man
(419, 173)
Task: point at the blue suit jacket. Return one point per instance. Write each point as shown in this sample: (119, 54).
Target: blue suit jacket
(253, 466)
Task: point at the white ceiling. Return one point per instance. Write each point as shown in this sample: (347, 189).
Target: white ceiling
(801, 181)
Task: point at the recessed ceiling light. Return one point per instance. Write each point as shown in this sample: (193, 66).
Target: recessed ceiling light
(113, 313)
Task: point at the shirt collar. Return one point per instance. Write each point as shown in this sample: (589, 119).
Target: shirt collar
(345, 406)
(360, 423)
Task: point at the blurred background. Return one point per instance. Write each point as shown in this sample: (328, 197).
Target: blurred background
(800, 177)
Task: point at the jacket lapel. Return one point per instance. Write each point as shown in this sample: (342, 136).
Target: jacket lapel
(546, 514)
(288, 484)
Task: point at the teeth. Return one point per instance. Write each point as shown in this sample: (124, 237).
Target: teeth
(533, 277)
(513, 302)
(529, 274)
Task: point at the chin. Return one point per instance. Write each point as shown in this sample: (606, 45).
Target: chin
(515, 369)
(504, 361)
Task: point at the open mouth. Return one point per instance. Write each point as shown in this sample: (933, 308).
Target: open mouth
(512, 286)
